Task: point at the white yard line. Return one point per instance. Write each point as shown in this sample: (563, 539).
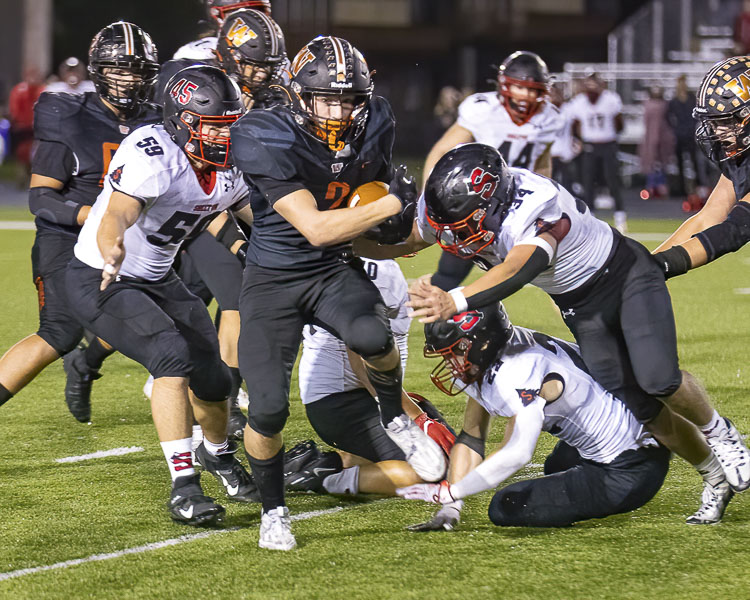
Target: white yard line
(100, 454)
(742, 291)
(154, 546)
(18, 225)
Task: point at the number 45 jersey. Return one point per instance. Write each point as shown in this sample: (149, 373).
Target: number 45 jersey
(151, 168)
(521, 145)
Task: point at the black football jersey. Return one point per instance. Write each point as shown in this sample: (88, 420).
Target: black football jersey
(76, 136)
(738, 172)
(278, 158)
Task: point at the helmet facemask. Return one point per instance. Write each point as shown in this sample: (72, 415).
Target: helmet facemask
(124, 84)
(220, 13)
(465, 238)
(208, 140)
(724, 137)
(522, 109)
(455, 368)
(334, 118)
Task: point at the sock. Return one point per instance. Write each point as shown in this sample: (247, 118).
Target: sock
(236, 381)
(96, 353)
(214, 449)
(343, 482)
(269, 477)
(711, 470)
(715, 427)
(388, 385)
(179, 457)
(197, 436)
(5, 395)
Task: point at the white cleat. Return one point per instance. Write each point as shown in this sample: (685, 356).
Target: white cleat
(713, 504)
(242, 399)
(276, 530)
(733, 456)
(148, 387)
(422, 452)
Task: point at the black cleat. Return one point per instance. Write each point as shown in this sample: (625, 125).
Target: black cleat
(188, 505)
(237, 420)
(230, 473)
(79, 379)
(305, 467)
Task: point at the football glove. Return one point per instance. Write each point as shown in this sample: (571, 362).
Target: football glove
(444, 437)
(437, 493)
(445, 519)
(397, 228)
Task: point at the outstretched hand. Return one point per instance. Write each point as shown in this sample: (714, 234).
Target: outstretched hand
(437, 493)
(429, 302)
(444, 519)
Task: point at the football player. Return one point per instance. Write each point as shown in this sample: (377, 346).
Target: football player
(342, 409)
(518, 119)
(164, 182)
(76, 136)
(525, 228)
(305, 160)
(605, 463)
(723, 134)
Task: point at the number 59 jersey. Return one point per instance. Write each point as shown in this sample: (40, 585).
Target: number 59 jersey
(151, 168)
(521, 145)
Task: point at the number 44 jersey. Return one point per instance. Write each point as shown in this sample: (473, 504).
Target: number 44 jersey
(151, 168)
(521, 145)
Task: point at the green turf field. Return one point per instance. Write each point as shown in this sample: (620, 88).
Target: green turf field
(54, 513)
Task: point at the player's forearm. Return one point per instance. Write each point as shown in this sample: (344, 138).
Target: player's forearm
(683, 233)
(372, 249)
(112, 227)
(50, 205)
(336, 226)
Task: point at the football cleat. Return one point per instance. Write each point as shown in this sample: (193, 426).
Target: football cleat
(422, 453)
(242, 399)
(310, 478)
(187, 503)
(297, 457)
(713, 504)
(79, 379)
(733, 456)
(230, 473)
(276, 530)
(237, 420)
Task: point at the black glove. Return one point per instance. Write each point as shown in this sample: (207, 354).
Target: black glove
(397, 228)
(674, 261)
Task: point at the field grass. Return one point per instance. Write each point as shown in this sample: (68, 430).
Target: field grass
(52, 512)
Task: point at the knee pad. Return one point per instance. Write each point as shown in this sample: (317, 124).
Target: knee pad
(212, 382)
(267, 423)
(63, 337)
(170, 356)
(663, 387)
(506, 506)
(370, 337)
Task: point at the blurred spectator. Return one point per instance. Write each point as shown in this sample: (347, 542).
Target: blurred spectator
(21, 101)
(4, 137)
(680, 119)
(446, 109)
(657, 146)
(741, 35)
(566, 148)
(597, 119)
(72, 78)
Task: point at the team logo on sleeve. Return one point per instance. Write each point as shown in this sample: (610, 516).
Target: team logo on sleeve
(527, 396)
(483, 182)
(116, 175)
(466, 321)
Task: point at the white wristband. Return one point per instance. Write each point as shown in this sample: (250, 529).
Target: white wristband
(459, 299)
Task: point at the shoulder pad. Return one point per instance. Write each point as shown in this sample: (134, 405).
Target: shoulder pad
(52, 110)
(261, 143)
(381, 118)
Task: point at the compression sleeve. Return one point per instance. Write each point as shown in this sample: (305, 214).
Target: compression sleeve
(729, 235)
(51, 205)
(537, 262)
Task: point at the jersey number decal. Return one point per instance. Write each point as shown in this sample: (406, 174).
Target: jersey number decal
(183, 90)
(336, 192)
(108, 151)
(523, 160)
(150, 146)
(173, 230)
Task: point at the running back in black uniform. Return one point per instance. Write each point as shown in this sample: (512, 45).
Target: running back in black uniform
(76, 136)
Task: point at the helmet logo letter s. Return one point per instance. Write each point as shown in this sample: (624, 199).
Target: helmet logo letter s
(483, 182)
(467, 320)
(183, 90)
(240, 33)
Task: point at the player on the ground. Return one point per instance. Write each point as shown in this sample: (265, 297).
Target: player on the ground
(527, 229)
(518, 119)
(166, 181)
(723, 134)
(605, 463)
(305, 161)
(341, 407)
(76, 136)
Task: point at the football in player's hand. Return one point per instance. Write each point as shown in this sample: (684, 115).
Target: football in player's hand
(367, 193)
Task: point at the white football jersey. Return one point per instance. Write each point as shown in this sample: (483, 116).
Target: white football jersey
(597, 120)
(150, 167)
(585, 416)
(564, 147)
(202, 49)
(488, 121)
(538, 201)
(324, 368)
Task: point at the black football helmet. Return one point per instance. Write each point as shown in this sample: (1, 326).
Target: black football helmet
(467, 196)
(124, 65)
(527, 70)
(200, 103)
(468, 343)
(329, 67)
(219, 10)
(723, 110)
(251, 50)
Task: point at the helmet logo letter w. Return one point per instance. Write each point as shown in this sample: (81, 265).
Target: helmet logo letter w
(483, 182)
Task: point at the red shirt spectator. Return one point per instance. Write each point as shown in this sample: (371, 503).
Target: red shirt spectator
(21, 102)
